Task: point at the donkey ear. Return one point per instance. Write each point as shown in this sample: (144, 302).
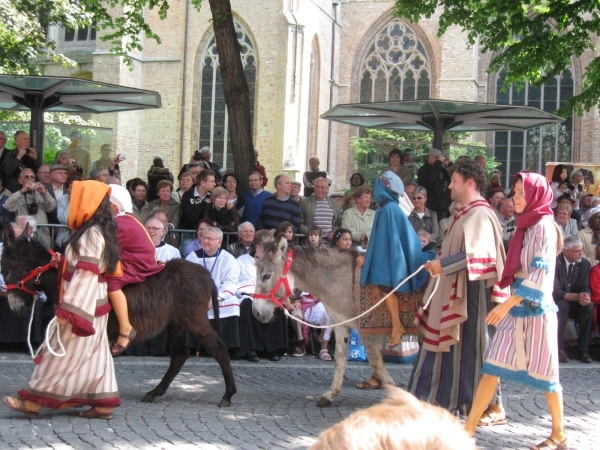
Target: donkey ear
(282, 245)
(8, 234)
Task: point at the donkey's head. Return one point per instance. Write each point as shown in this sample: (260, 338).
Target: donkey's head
(19, 257)
(269, 269)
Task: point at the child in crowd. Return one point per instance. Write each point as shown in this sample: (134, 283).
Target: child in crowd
(342, 239)
(218, 213)
(314, 313)
(314, 236)
(424, 237)
(287, 230)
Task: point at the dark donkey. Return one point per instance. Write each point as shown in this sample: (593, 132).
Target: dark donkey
(178, 298)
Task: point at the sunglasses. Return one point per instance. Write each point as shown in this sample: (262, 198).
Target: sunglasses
(417, 198)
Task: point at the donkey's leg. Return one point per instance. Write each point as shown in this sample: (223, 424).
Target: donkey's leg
(376, 362)
(179, 354)
(342, 335)
(216, 348)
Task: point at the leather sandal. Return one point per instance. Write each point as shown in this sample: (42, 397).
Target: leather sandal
(117, 348)
(551, 444)
(491, 418)
(325, 356)
(19, 406)
(366, 386)
(93, 413)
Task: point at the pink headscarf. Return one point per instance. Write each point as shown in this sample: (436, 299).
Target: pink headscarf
(538, 196)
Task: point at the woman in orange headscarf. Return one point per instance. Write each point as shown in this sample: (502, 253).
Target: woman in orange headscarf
(85, 375)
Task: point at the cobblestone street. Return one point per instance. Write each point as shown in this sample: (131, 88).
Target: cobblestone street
(274, 407)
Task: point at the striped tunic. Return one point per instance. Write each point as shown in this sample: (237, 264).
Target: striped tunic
(86, 375)
(525, 348)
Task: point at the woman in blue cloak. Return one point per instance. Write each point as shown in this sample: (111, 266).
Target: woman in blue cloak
(394, 251)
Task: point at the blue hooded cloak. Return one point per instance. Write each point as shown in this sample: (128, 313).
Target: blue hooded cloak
(394, 250)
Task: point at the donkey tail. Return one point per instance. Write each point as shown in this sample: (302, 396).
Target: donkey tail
(215, 301)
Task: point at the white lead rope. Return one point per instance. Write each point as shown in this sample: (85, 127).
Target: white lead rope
(53, 327)
(437, 282)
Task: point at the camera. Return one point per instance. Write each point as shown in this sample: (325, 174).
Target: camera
(35, 186)
(198, 156)
(120, 158)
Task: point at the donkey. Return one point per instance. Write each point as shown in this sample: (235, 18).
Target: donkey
(329, 275)
(177, 298)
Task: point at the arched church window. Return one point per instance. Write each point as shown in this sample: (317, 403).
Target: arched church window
(532, 149)
(396, 66)
(214, 126)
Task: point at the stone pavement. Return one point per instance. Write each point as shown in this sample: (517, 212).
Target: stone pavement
(274, 408)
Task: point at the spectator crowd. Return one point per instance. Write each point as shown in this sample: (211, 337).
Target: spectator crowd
(206, 219)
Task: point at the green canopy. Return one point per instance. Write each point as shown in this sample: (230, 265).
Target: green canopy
(40, 94)
(440, 116)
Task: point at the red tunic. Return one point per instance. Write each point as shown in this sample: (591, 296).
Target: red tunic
(138, 256)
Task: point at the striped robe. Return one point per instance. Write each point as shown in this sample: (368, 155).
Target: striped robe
(456, 336)
(525, 348)
(86, 375)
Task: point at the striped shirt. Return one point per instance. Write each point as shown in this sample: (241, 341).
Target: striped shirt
(324, 216)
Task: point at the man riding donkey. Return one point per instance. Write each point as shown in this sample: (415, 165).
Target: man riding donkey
(85, 375)
(393, 254)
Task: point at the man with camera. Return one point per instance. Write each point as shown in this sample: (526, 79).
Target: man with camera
(23, 156)
(79, 154)
(31, 199)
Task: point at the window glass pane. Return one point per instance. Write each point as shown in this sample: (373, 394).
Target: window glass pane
(366, 88)
(395, 85)
(214, 107)
(93, 32)
(534, 96)
(533, 150)
(501, 154)
(394, 62)
(424, 86)
(502, 96)
(544, 144)
(408, 92)
(380, 87)
(550, 95)
(69, 34)
(82, 34)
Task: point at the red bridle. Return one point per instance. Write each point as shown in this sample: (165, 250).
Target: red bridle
(282, 280)
(36, 273)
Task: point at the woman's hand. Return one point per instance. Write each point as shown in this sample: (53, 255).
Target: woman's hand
(61, 320)
(497, 314)
(501, 310)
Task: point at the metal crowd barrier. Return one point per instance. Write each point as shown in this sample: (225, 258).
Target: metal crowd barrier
(178, 234)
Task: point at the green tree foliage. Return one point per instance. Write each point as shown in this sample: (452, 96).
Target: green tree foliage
(23, 31)
(54, 140)
(371, 152)
(533, 40)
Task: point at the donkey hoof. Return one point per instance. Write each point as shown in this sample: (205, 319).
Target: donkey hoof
(324, 402)
(224, 403)
(148, 398)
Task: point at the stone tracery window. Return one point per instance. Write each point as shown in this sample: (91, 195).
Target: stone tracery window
(531, 150)
(214, 124)
(396, 66)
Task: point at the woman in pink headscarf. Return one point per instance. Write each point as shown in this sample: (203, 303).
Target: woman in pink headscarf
(524, 348)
